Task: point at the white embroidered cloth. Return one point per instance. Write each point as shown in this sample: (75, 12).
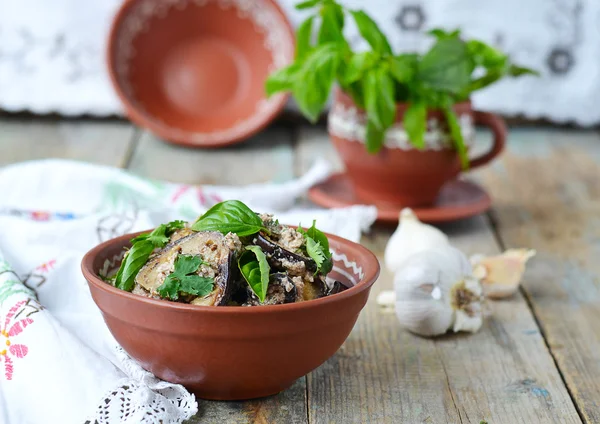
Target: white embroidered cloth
(52, 52)
(58, 361)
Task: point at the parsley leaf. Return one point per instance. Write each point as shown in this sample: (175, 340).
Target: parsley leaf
(317, 247)
(255, 270)
(184, 280)
(142, 247)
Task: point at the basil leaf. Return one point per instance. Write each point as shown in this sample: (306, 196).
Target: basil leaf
(355, 90)
(517, 71)
(331, 25)
(441, 33)
(307, 4)
(184, 280)
(415, 123)
(404, 67)
(357, 66)
(282, 79)
(161, 234)
(486, 56)
(142, 247)
(230, 216)
(303, 38)
(446, 66)
(379, 98)
(132, 263)
(375, 138)
(315, 80)
(456, 134)
(370, 32)
(479, 83)
(255, 269)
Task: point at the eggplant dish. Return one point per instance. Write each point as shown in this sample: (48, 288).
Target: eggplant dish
(230, 256)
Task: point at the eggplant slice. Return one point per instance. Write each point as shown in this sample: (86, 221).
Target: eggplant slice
(281, 290)
(281, 258)
(218, 251)
(315, 289)
(337, 287)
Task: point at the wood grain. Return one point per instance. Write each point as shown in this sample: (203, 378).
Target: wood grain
(101, 142)
(287, 407)
(502, 374)
(547, 197)
(265, 157)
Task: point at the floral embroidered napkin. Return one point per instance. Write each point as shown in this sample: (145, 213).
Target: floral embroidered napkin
(58, 361)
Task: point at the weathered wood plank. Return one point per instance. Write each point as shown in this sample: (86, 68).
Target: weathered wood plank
(101, 142)
(503, 374)
(265, 157)
(547, 197)
(288, 406)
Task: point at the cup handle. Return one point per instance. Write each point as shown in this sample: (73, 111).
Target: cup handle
(498, 127)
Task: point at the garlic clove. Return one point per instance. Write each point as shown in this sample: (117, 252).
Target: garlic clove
(501, 275)
(466, 322)
(411, 236)
(386, 300)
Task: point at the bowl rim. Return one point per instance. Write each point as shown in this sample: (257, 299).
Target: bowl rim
(166, 133)
(369, 278)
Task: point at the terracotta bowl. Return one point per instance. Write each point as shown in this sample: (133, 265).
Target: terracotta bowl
(193, 71)
(228, 352)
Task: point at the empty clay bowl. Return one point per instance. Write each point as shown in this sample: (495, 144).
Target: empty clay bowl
(229, 352)
(193, 71)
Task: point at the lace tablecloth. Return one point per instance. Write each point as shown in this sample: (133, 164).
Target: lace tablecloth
(52, 53)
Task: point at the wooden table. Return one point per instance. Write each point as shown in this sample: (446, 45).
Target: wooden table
(537, 357)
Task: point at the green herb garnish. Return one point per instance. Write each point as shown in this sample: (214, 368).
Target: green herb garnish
(184, 280)
(142, 247)
(255, 270)
(317, 247)
(378, 79)
(230, 216)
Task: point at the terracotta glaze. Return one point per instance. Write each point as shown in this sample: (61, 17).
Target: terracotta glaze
(193, 71)
(400, 174)
(457, 199)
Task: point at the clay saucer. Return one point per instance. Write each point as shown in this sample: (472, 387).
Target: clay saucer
(193, 71)
(458, 199)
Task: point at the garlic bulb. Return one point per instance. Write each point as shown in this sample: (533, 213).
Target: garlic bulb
(435, 292)
(411, 236)
(501, 275)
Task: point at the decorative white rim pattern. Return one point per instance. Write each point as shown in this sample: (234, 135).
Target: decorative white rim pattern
(111, 265)
(348, 123)
(266, 20)
(350, 269)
